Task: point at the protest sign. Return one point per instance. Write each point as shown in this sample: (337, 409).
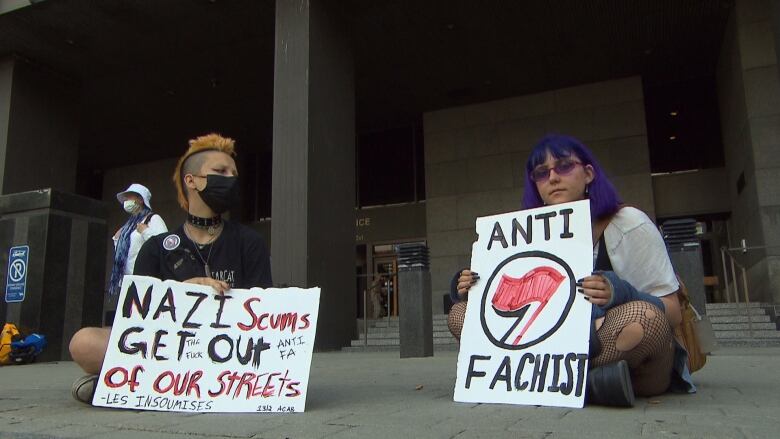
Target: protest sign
(181, 347)
(526, 330)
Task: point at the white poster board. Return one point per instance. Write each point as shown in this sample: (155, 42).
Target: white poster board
(181, 347)
(526, 332)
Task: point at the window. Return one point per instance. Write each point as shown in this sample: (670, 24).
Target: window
(390, 167)
(683, 126)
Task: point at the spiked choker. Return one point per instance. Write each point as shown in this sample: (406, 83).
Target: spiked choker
(209, 224)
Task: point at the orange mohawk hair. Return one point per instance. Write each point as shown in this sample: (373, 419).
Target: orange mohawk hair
(209, 142)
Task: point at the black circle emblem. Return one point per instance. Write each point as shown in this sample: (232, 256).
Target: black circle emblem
(501, 340)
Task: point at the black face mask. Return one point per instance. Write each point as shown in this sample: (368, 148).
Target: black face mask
(220, 193)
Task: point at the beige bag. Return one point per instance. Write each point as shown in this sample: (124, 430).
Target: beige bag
(687, 333)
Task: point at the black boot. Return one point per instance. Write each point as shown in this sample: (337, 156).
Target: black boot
(610, 385)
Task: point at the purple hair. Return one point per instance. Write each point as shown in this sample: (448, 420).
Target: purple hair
(604, 199)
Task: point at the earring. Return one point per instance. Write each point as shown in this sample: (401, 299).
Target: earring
(587, 192)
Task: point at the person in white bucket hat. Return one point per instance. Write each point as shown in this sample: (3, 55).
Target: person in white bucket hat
(142, 225)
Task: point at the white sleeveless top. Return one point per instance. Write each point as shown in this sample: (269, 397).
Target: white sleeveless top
(638, 253)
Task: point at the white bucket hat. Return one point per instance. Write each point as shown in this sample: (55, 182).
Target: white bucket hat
(139, 189)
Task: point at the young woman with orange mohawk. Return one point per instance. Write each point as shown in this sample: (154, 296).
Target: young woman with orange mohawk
(205, 250)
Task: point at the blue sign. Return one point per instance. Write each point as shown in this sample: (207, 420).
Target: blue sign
(16, 281)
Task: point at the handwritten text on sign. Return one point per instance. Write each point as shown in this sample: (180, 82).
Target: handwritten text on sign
(181, 347)
(526, 331)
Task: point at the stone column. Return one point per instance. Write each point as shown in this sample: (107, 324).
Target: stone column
(313, 188)
(66, 236)
(749, 94)
(39, 128)
(414, 301)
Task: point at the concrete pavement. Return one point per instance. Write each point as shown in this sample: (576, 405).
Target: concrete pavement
(378, 395)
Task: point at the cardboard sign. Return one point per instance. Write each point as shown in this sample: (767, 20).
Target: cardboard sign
(181, 347)
(526, 332)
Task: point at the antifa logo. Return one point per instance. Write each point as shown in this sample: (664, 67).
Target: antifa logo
(522, 288)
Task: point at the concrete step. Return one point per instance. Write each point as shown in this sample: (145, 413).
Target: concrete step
(734, 305)
(739, 319)
(396, 342)
(394, 321)
(768, 326)
(744, 334)
(436, 328)
(396, 334)
(749, 342)
(356, 349)
(756, 311)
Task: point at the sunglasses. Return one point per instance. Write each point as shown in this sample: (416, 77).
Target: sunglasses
(562, 167)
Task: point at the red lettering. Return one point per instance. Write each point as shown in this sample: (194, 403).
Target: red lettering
(248, 308)
(194, 383)
(260, 325)
(283, 380)
(268, 389)
(231, 380)
(109, 377)
(255, 389)
(292, 387)
(160, 377)
(246, 380)
(180, 385)
(283, 321)
(134, 377)
(305, 320)
(221, 384)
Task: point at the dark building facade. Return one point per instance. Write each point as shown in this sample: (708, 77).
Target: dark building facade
(362, 125)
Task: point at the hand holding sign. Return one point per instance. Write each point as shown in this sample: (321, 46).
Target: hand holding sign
(596, 289)
(466, 280)
(219, 286)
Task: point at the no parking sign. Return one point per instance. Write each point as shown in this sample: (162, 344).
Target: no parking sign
(16, 279)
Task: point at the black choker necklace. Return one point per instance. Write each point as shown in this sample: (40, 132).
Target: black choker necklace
(204, 223)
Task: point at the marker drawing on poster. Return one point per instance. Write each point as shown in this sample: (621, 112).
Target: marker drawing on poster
(526, 330)
(181, 347)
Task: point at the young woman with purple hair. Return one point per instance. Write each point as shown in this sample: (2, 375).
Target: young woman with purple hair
(633, 288)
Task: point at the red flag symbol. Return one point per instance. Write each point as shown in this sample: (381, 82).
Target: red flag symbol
(514, 296)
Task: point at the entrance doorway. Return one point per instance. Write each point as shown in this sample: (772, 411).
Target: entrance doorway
(377, 279)
(386, 268)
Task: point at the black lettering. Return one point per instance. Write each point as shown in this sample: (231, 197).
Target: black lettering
(580, 373)
(471, 372)
(157, 336)
(132, 299)
(200, 297)
(244, 359)
(543, 373)
(546, 217)
(183, 336)
(497, 235)
(260, 346)
(525, 233)
(519, 384)
(221, 298)
(537, 370)
(556, 372)
(506, 376)
(568, 386)
(135, 347)
(566, 233)
(213, 351)
(169, 308)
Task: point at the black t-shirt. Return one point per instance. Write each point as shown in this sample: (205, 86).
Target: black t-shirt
(238, 256)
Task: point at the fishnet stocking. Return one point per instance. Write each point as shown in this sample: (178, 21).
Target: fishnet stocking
(639, 333)
(455, 319)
